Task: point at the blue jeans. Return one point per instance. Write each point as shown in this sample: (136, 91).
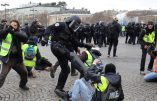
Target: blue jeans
(82, 88)
(151, 77)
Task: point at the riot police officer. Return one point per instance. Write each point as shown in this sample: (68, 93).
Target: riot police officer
(115, 29)
(62, 48)
(96, 32)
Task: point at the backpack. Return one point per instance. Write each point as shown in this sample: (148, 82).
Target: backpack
(29, 53)
(112, 93)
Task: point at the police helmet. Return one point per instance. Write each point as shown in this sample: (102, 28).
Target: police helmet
(73, 22)
(115, 18)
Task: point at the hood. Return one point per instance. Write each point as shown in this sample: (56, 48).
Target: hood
(114, 79)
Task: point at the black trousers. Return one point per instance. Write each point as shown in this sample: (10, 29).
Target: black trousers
(64, 55)
(114, 43)
(100, 41)
(18, 67)
(104, 40)
(143, 59)
(61, 54)
(127, 36)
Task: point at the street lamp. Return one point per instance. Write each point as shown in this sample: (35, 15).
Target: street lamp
(5, 4)
(33, 12)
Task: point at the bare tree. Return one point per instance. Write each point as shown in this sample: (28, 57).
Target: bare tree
(43, 18)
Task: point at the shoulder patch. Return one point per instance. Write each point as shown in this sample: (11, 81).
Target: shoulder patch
(57, 24)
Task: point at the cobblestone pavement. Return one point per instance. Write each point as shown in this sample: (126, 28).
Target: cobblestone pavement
(42, 87)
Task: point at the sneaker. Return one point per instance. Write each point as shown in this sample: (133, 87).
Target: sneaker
(48, 69)
(148, 71)
(24, 87)
(66, 97)
(142, 73)
(61, 93)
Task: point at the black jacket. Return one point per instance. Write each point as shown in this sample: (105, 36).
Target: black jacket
(115, 29)
(63, 35)
(113, 78)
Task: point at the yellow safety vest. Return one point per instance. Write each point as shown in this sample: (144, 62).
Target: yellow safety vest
(123, 28)
(150, 37)
(29, 63)
(103, 85)
(89, 61)
(6, 45)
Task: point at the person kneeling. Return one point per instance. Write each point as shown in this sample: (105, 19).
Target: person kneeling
(30, 54)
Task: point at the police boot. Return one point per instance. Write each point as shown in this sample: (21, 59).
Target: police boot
(77, 63)
(61, 93)
(114, 52)
(23, 87)
(109, 50)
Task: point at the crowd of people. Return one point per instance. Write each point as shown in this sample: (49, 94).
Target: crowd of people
(19, 51)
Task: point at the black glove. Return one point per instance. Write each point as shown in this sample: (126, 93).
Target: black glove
(10, 30)
(88, 46)
(44, 42)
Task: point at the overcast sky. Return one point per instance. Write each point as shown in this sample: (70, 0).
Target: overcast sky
(93, 5)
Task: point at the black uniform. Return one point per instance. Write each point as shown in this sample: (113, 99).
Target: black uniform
(115, 29)
(62, 48)
(87, 33)
(101, 35)
(96, 32)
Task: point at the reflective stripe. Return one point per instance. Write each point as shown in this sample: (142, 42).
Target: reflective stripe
(103, 85)
(7, 42)
(89, 60)
(6, 45)
(150, 37)
(5, 49)
(31, 60)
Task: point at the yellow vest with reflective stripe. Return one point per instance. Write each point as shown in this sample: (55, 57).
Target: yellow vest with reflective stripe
(6, 45)
(29, 63)
(123, 28)
(89, 61)
(103, 85)
(150, 37)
